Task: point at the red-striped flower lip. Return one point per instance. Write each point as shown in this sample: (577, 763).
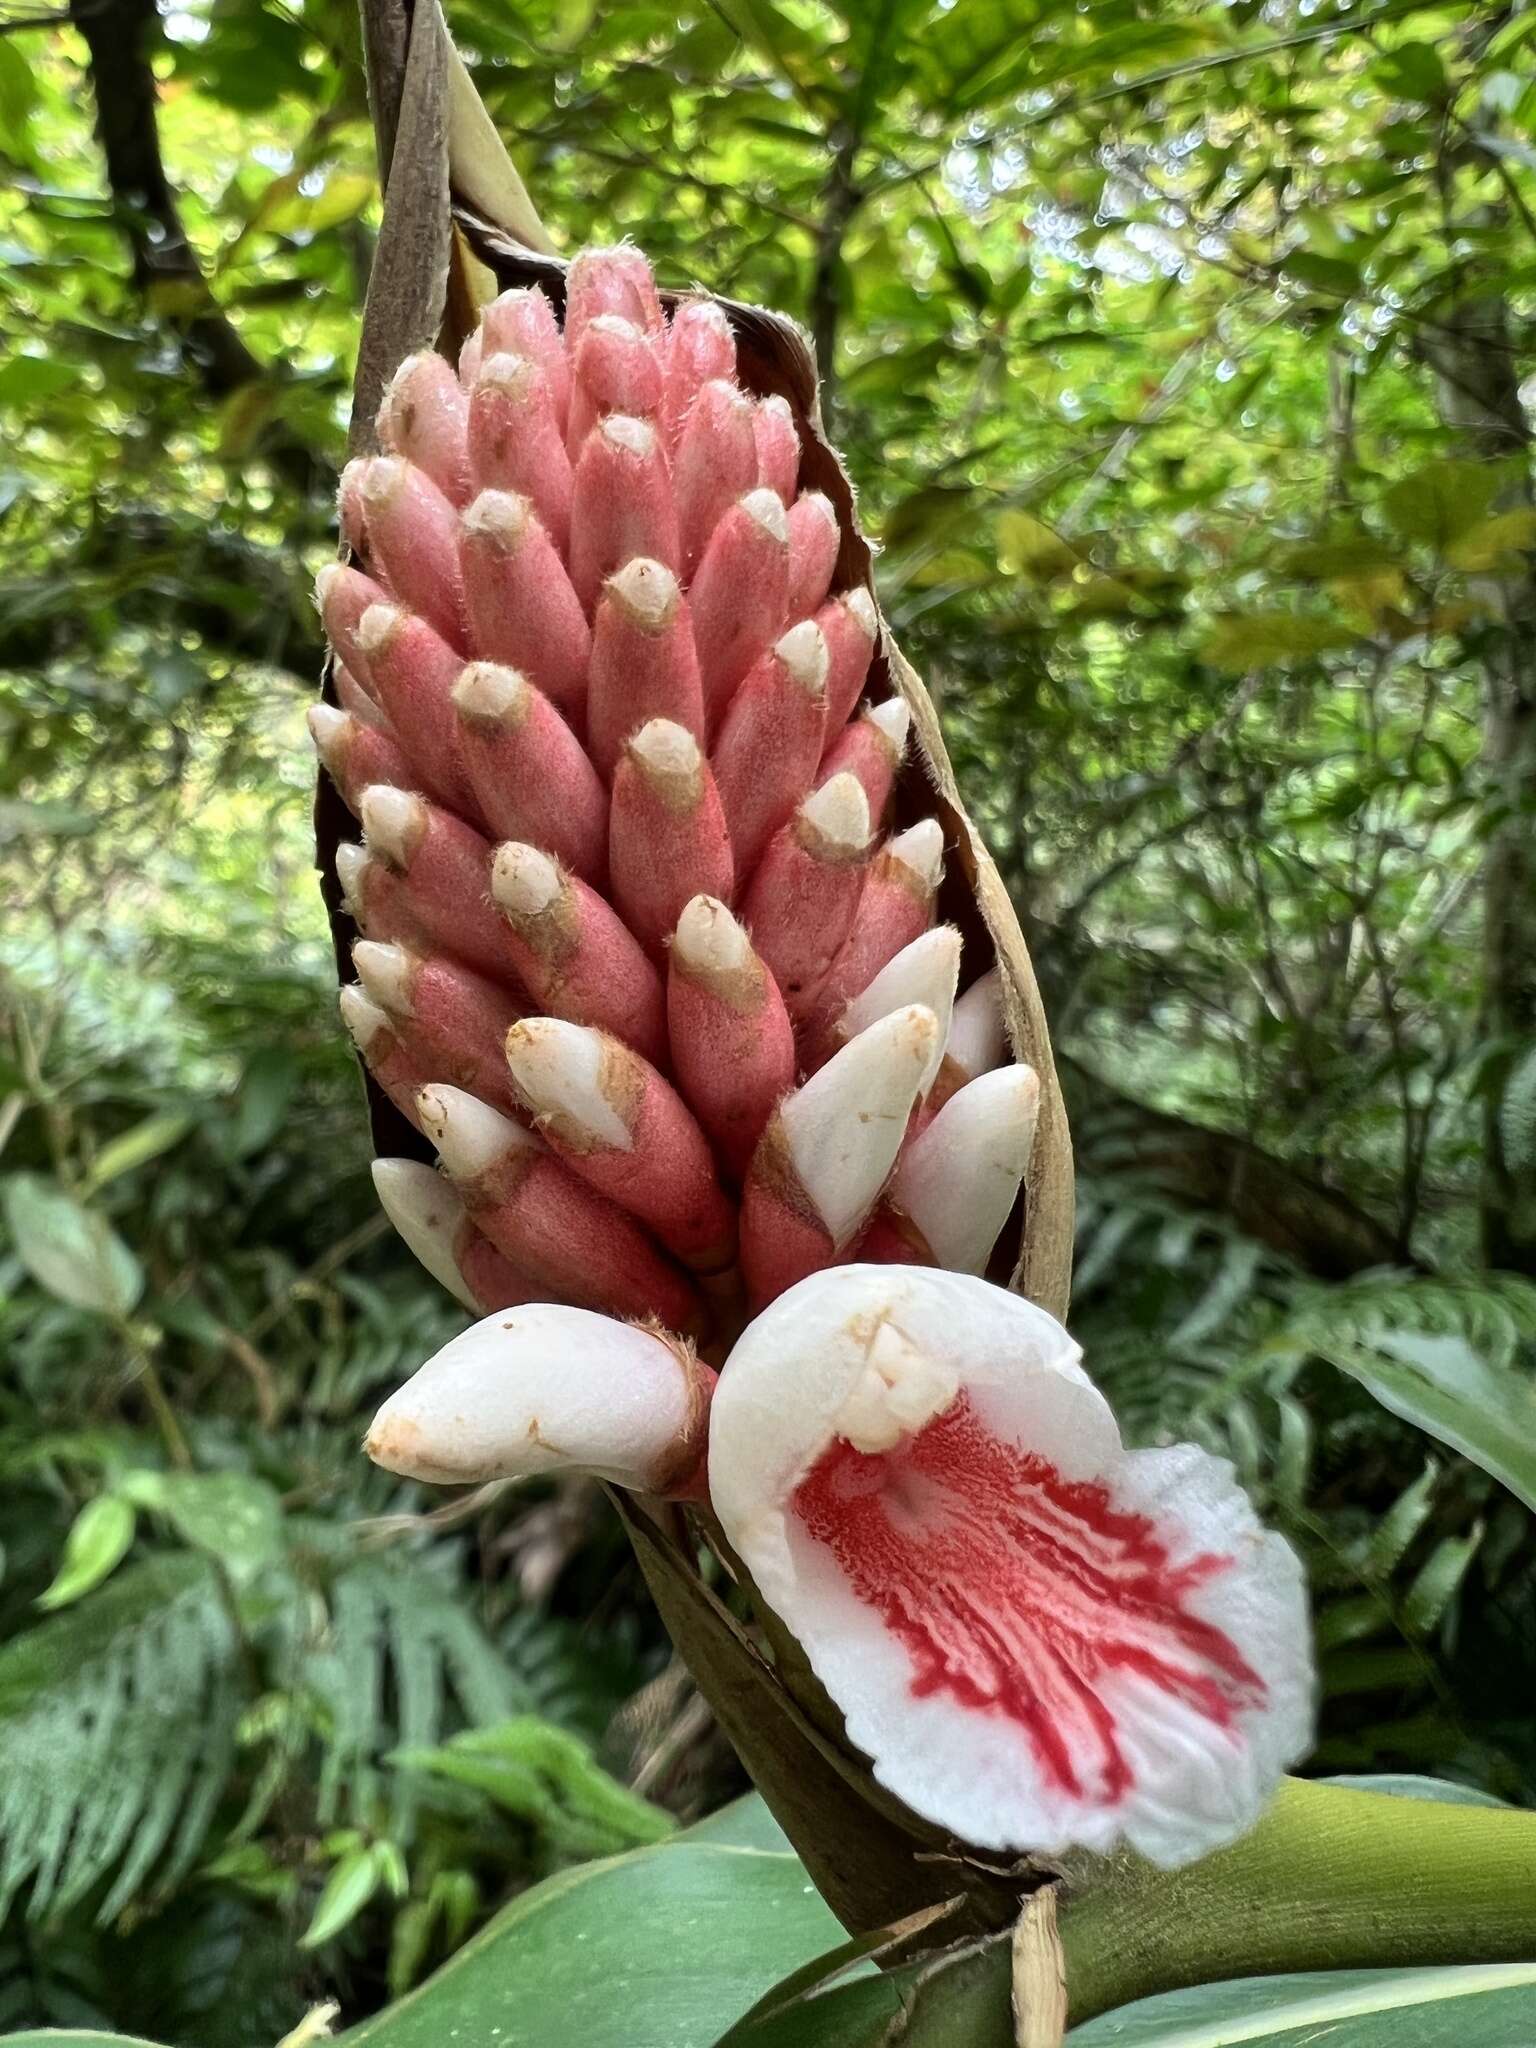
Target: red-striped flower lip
(1040, 1638)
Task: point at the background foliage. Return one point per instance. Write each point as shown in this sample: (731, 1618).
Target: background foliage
(1179, 354)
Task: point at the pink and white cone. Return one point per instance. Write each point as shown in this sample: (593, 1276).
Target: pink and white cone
(828, 1150)
(425, 418)
(733, 1046)
(429, 1216)
(454, 1022)
(872, 748)
(1041, 1639)
(626, 1131)
(383, 1050)
(801, 903)
(574, 954)
(547, 1389)
(575, 1245)
(667, 837)
(354, 753)
(413, 534)
(643, 661)
(815, 540)
(516, 442)
(522, 608)
(528, 770)
(621, 504)
(959, 1177)
(444, 863)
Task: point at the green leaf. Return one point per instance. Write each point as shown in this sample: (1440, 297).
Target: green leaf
(661, 1948)
(26, 378)
(347, 1891)
(1240, 641)
(1492, 2005)
(1495, 541)
(1441, 502)
(146, 1141)
(266, 1090)
(69, 1249)
(22, 820)
(1517, 1112)
(96, 1545)
(1441, 1385)
(233, 1516)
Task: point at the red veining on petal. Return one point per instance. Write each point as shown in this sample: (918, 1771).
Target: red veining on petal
(1018, 1592)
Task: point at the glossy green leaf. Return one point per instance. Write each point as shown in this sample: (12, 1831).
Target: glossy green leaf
(660, 1948)
(1486, 1412)
(136, 1147)
(98, 1541)
(71, 1250)
(1493, 2006)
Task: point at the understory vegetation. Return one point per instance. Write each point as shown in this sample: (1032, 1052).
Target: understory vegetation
(1179, 353)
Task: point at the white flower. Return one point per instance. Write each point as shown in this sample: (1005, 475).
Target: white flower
(1040, 1638)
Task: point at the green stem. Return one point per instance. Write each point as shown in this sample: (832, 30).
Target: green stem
(1330, 1879)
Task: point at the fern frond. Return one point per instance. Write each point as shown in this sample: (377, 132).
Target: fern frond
(399, 1643)
(1495, 1313)
(116, 1738)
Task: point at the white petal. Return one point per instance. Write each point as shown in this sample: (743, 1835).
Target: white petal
(958, 1181)
(1040, 1639)
(540, 1389)
(843, 1127)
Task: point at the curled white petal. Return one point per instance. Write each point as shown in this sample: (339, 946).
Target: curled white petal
(1040, 1638)
(543, 1389)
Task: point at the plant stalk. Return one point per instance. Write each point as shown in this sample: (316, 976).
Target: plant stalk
(1330, 1879)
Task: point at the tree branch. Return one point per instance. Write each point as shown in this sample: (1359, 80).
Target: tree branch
(118, 35)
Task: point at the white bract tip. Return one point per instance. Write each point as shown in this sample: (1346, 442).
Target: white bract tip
(499, 516)
(978, 1036)
(377, 626)
(665, 751)
(362, 1016)
(507, 372)
(385, 477)
(766, 509)
(524, 881)
(843, 1127)
(920, 850)
(822, 503)
(428, 1215)
(1041, 1639)
(387, 973)
(489, 690)
(469, 1135)
(543, 1389)
(635, 437)
(803, 651)
(647, 591)
(324, 580)
(351, 866)
(328, 728)
(838, 813)
(394, 821)
(960, 1178)
(893, 720)
(709, 941)
(861, 609)
(615, 324)
(924, 972)
(557, 1068)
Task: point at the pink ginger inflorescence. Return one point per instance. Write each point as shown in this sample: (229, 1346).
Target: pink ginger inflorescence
(644, 961)
(626, 883)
